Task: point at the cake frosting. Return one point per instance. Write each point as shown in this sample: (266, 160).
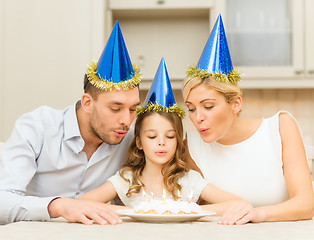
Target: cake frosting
(166, 206)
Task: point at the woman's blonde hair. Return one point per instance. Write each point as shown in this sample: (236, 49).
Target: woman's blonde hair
(230, 90)
(172, 171)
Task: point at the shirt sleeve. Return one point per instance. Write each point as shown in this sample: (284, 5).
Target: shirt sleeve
(121, 186)
(17, 168)
(15, 207)
(192, 185)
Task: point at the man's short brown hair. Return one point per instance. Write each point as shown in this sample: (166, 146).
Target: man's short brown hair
(91, 89)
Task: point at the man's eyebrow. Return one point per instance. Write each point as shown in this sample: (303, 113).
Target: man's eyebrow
(121, 104)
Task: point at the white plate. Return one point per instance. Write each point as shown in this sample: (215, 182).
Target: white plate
(163, 217)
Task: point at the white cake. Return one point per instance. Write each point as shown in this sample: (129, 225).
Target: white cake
(167, 206)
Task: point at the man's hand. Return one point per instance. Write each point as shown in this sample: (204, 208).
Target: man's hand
(82, 211)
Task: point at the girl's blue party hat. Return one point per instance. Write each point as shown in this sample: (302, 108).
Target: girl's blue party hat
(160, 96)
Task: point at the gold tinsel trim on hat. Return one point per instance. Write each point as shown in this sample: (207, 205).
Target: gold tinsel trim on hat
(233, 77)
(153, 107)
(107, 85)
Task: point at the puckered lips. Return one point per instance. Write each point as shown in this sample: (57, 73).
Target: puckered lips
(120, 133)
(161, 153)
(203, 131)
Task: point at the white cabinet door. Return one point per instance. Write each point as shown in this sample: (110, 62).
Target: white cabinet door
(266, 37)
(174, 29)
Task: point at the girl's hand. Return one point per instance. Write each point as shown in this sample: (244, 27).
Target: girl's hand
(240, 213)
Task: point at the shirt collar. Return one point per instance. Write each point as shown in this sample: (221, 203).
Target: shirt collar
(71, 128)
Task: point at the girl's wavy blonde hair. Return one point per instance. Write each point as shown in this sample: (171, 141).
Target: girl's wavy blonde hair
(172, 171)
(230, 90)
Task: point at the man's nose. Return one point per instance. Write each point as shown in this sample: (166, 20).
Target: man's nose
(126, 118)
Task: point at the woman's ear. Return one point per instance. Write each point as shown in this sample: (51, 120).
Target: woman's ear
(138, 143)
(237, 105)
(87, 102)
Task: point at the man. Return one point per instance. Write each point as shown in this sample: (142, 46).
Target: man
(54, 156)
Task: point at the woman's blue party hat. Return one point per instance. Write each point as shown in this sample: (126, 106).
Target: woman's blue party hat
(114, 70)
(160, 96)
(215, 60)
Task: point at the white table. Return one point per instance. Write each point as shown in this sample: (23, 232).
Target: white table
(206, 228)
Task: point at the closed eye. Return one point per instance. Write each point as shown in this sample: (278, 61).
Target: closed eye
(115, 109)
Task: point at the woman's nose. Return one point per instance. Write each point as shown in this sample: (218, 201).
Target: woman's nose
(199, 116)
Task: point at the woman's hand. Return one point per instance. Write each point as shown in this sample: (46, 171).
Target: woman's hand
(240, 213)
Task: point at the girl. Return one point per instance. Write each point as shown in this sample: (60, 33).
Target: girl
(156, 159)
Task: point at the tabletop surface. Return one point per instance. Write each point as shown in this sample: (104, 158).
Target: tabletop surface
(205, 228)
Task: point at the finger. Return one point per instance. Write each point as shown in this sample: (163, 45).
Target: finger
(99, 219)
(113, 214)
(247, 218)
(83, 219)
(235, 208)
(234, 215)
(110, 217)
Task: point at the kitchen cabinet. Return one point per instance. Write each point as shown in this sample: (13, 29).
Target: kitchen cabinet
(174, 29)
(270, 41)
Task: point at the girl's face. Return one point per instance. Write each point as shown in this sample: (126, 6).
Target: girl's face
(210, 113)
(158, 140)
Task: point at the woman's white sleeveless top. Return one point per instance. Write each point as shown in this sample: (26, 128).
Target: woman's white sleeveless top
(251, 169)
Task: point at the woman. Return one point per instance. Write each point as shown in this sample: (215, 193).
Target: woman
(261, 160)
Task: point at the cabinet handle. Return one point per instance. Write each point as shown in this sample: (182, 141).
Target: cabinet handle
(159, 2)
(311, 71)
(298, 72)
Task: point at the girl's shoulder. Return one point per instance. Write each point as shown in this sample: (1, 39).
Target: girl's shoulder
(191, 176)
(125, 173)
(121, 176)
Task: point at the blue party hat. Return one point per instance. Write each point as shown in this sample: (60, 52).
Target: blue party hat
(215, 60)
(114, 70)
(160, 96)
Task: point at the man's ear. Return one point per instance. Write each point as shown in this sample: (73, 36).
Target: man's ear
(138, 143)
(87, 102)
(237, 105)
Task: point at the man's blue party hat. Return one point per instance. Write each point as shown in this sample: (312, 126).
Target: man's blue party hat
(160, 96)
(114, 70)
(215, 60)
